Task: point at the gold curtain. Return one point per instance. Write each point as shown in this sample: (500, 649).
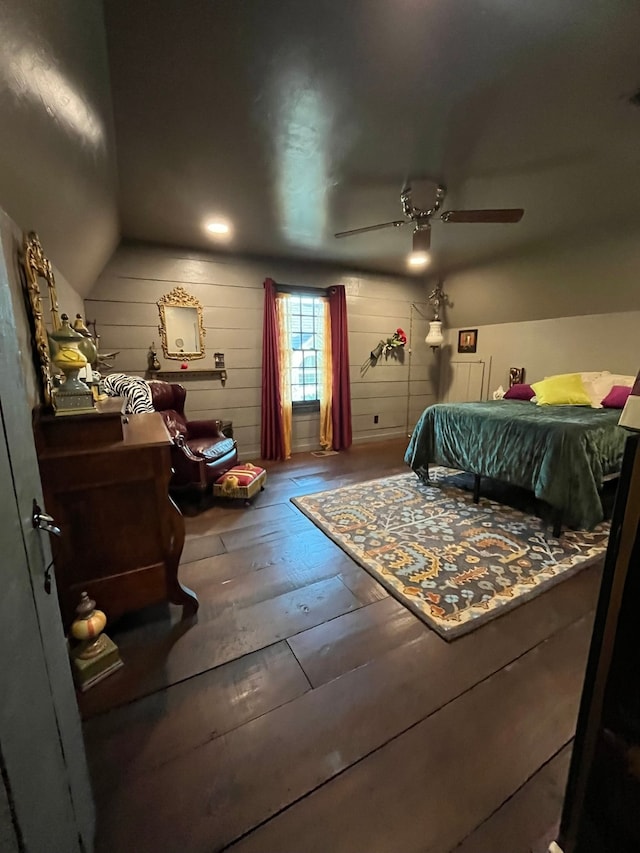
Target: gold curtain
(284, 343)
(326, 425)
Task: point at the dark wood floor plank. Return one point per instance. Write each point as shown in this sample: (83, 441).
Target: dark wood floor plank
(202, 546)
(140, 737)
(281, 491)
(307, 550)
(365, 588)
(263, 534)
(159, 655)
(450, 770)
(250, 588)
(525, 816)
(232, 515)
(364, 458)
(308, 741)
(329, 650)
(312, 484)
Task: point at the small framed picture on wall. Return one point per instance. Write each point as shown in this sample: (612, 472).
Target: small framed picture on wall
(467, 340)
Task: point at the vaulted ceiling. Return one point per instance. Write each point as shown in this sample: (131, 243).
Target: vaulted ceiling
(294, 119)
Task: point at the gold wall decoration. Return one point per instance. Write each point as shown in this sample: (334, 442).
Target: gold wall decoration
(37, 266)
(181, 325)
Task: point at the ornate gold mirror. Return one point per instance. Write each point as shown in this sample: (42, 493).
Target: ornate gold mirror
(38, 268)
(181, 325)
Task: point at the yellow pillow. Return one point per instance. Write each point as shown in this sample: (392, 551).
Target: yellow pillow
(565, 390)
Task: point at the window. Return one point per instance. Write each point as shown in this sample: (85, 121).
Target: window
(306, 324)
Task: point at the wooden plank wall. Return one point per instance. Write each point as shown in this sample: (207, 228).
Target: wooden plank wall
(123, 302)
(462, 381)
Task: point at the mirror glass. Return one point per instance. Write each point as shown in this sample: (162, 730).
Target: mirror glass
(181, 325)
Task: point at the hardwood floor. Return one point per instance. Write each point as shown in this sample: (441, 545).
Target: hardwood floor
(304, 709)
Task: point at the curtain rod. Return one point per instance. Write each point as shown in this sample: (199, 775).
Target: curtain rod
(299, 288)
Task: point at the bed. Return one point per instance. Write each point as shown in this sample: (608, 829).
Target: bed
(563, 454)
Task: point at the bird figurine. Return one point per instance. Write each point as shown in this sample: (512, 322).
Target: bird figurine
(152, 358)
(104, 360)
(79, 326)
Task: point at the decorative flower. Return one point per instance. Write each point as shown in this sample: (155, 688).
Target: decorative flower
(397, 339)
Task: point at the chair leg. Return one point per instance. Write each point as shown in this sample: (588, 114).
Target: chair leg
(203, 500)
(476, 488)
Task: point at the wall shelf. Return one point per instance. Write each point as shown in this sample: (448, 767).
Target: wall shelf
(181, 375)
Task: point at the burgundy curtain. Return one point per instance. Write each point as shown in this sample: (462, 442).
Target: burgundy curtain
(271, 431)
(341, 390)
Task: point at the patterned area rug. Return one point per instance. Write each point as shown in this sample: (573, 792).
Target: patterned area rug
(456, 564)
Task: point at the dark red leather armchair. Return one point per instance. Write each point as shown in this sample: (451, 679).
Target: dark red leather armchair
(201, 452)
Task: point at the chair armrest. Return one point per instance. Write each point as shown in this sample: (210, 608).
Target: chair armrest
(205, 429)
(178, 441)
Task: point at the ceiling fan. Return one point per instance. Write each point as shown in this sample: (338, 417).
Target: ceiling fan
(421, 219)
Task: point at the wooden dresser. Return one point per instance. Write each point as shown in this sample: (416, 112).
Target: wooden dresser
(106, 484)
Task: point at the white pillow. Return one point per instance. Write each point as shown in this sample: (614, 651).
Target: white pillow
(622, 379)
(597, 389)
(594, 374)
(585, 376)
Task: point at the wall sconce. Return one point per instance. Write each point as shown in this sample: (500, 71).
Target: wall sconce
(435, 338)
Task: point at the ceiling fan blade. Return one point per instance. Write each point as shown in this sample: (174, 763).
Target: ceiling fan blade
(395, 224)
(507, 214)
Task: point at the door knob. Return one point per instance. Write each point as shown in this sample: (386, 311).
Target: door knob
(43, 521)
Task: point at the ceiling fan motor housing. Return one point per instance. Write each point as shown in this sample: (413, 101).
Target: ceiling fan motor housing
(418, 214)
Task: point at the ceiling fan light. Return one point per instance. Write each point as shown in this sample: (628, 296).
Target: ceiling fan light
(418, 260)
(218, 228)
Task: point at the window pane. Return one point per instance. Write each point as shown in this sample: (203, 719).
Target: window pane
(311, 392)
(306, 323)
(294, 322)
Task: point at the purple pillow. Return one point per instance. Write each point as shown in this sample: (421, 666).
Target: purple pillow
(617, 397)
(520, 392)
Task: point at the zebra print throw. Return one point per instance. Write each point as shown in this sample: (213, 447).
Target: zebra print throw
(134, 389)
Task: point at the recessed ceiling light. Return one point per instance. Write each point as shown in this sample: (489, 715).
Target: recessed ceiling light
(418, 259)
(218, 228)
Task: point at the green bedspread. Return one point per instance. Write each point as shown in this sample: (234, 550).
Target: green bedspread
(560, 453)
